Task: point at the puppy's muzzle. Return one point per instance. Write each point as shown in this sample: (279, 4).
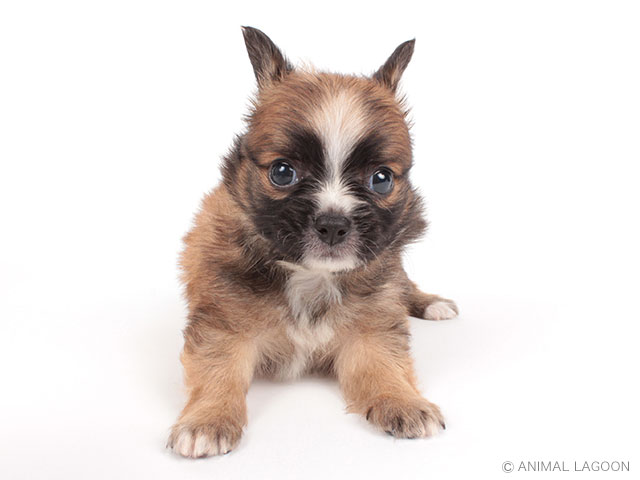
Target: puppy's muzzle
(332, 229)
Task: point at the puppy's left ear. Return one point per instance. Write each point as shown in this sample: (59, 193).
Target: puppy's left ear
(389, 74)
(269, 64)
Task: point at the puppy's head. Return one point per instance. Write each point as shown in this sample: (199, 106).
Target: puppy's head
(322, 171)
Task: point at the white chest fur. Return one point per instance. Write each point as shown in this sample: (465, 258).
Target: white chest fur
(307, 292)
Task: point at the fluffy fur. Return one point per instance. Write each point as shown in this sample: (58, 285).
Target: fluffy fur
(267, 296)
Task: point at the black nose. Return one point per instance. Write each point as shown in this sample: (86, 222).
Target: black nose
(332, 229)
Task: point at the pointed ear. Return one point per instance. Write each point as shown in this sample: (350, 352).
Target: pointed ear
(269, 64)
(389, 74)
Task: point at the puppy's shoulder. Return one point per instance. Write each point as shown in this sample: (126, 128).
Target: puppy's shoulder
(212, 234)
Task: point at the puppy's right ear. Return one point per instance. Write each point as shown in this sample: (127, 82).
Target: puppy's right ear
(269, 64)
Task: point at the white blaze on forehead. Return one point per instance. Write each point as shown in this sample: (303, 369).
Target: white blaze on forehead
(335, 196)
(340, 123)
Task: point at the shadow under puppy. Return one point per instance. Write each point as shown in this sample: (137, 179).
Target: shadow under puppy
(294, 262)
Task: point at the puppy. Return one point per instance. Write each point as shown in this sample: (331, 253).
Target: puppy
(294, 262)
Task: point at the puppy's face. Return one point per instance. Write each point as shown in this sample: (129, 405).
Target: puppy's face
(326, 162)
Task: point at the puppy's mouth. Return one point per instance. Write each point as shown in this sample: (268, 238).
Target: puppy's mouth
(333, 257)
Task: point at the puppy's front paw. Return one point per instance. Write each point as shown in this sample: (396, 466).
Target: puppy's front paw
(441, 309)
(205, 440)
(416, 418)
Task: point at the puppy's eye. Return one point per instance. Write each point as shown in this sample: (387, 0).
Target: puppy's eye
(282, 174)
(381, 181)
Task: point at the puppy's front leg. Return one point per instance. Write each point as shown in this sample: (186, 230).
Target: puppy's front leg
(218, 369)
(376, 375)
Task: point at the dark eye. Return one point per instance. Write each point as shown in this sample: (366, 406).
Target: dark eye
(282, 174)
(381, 181)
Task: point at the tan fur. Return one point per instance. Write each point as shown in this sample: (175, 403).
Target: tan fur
(286, 319)
(309, 92)
(238, 335)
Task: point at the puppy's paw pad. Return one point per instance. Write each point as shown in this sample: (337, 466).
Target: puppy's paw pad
(406, 419)
(441, 310)
(204, 440)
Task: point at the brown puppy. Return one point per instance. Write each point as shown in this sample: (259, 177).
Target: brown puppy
(294, 262)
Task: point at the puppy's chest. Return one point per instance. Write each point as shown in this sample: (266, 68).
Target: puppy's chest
(313, 298)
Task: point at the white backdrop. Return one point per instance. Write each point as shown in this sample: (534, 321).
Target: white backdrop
(113, 118)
